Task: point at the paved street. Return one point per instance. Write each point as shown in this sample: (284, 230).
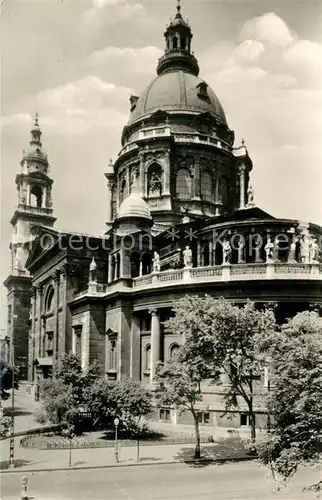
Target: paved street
(242, 481)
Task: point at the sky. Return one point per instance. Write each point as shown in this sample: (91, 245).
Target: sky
(77, 62)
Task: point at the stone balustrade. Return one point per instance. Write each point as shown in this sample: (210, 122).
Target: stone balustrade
(34, 210)
(237, 272)
(165, 131)
(211, 274)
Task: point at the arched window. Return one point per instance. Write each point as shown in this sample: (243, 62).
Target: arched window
(175, 42)
(183, 42)
(207, 186)
(49, 300)
(117, 266)
(183, 184)
(146, 264)
(36, 196)
(205, 254)
(122, 191)
(174, 350)
(147, 358)
(135, 264)
(155, 179)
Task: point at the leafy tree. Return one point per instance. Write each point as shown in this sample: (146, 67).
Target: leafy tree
(64, 395)
(220, 335)
(6, 372)
(295, 400)
(5, 424)
(180, 386)
(125, 399)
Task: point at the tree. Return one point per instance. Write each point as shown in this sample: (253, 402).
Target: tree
(295, 400)
(220, 335)
(6, 377)
(64, 395)
(125, 399)
(180, 386)
(5, 424)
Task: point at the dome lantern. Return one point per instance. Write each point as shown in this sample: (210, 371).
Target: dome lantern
(178, 54)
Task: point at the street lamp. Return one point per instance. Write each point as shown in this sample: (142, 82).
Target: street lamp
(116, 424)
(12, 438)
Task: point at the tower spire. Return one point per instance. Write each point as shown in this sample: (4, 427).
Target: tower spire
(178, 8)
(36, 133)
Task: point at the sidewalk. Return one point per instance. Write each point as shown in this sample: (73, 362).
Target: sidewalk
(30, 459)
(42, 460)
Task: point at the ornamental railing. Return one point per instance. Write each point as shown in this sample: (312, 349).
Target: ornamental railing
(209, 274)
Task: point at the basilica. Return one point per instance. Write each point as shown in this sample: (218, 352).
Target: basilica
(181, 218)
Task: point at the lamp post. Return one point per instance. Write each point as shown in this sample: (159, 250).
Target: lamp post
(12, 360)
(116, 424)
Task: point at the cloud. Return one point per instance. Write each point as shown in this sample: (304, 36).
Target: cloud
(270, 84)
(16, 120)
(78, 107)
(101, 4)
(135, 66)
(108, 13)
(268, 28)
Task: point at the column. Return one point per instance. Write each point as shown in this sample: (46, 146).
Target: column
(214, 241)
(64, 308)
(31, 354)
(56, 278)
(258, 250)
(109, 203)
(135, 348)
(241, 251)
(155, 341)
(142, 174)
(141, 266)
(166, 174)
(242, 186)
(121, 270)
(196, 180)
(39, 329)
(28, 194)
(210, 254)
(198, 254)
(44, 197)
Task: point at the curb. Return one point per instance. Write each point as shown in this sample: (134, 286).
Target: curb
(136, 464)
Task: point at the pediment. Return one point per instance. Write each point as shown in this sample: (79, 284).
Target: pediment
(45, 239)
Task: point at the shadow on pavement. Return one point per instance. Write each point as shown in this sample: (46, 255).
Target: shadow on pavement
(18, 463)
(17, 412)
(149, 459)
(222, 449)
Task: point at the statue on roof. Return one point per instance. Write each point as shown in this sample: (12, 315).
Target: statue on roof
(226, 252)
(93, 271)
(187, 257)
(250, 196)
(156, 262)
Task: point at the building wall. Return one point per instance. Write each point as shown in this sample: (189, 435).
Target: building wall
(18, 300)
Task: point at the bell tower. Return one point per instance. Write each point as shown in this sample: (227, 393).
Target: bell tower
(34, 208)
(34, 200)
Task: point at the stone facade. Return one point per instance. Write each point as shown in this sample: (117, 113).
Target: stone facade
(181, 218)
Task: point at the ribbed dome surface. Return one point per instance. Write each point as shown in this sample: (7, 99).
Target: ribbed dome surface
(177, 91)
(134, 207)
(33, 153)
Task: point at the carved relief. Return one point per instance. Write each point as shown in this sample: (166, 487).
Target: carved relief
(155, 174)
(134, 178)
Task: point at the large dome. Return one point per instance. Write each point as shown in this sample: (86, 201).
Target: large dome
(178, 91)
